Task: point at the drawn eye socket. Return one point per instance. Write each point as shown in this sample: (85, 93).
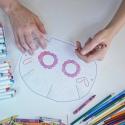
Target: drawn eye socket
(45, 62)
(70, 63)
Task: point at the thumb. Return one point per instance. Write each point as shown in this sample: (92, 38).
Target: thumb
(89, 46)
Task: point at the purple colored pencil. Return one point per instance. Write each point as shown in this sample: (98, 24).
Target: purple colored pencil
(27, 120)
(84, 104)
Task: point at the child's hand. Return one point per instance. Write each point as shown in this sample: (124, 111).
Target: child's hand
(28, 29)
(96, 47)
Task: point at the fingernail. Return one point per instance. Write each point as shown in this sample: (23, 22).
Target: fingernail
(83, 52)
(44, 45)
(30, 52)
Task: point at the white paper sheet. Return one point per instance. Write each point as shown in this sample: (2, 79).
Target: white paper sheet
(69, 79)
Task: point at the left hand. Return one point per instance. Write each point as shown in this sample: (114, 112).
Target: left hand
(95, 48)
(28, 30)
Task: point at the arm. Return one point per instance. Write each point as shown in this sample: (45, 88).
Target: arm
(96, 47)
(27, 27)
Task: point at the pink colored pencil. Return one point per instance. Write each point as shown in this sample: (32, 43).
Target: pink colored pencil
(84, 104)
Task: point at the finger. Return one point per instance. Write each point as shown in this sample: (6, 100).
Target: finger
(40, 25)
(88, 41)
(97, 55)
(78, 45)
(40, 39)
(18, 44)
(23, 41)
(30, 41)
(91, 44)
(82, 57)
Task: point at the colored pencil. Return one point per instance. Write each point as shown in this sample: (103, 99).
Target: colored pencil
(122, 99)
(118, 114)
(8, 119)
(121, 123)
(27, 120)
(92, 109)
(84, 104)
(105, 105)
(107, 113)
(115, 121)
(45, 119)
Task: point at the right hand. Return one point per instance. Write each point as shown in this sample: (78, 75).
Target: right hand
(28, 29)
(96, 47)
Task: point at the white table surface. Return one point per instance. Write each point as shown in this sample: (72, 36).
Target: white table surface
(72, 20)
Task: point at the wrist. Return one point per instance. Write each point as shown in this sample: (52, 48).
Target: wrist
(113, 30)
(10, 6)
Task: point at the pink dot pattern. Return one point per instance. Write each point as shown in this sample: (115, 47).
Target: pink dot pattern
(47, 53)
(68, 62)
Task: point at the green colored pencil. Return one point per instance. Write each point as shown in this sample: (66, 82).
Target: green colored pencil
(122, 99)
(93, 108)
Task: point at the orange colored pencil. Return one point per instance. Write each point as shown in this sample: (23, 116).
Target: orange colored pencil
(118, 114)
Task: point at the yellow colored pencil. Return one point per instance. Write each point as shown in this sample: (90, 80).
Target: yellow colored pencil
(106, 113)
(8, 119)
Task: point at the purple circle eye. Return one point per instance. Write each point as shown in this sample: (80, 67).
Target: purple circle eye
(69, 62)
(47, 53)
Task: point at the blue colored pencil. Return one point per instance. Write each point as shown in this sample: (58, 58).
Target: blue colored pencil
(105, 105)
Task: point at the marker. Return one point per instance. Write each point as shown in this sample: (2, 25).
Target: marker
(6, 97)
(2, 46)
(106, 104)
(5, 71)
(27, 120)
(5, 74)
(4, 68)
(84, 104)
(4, 78)
(7, 82)
(1, 31)
(3, 56)
(93, 108)
(11, 92)
(4, 65)
(2, 40)
(5, 86)
(107, 113)
(4, 90)
(1, 36)
(3, 51)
